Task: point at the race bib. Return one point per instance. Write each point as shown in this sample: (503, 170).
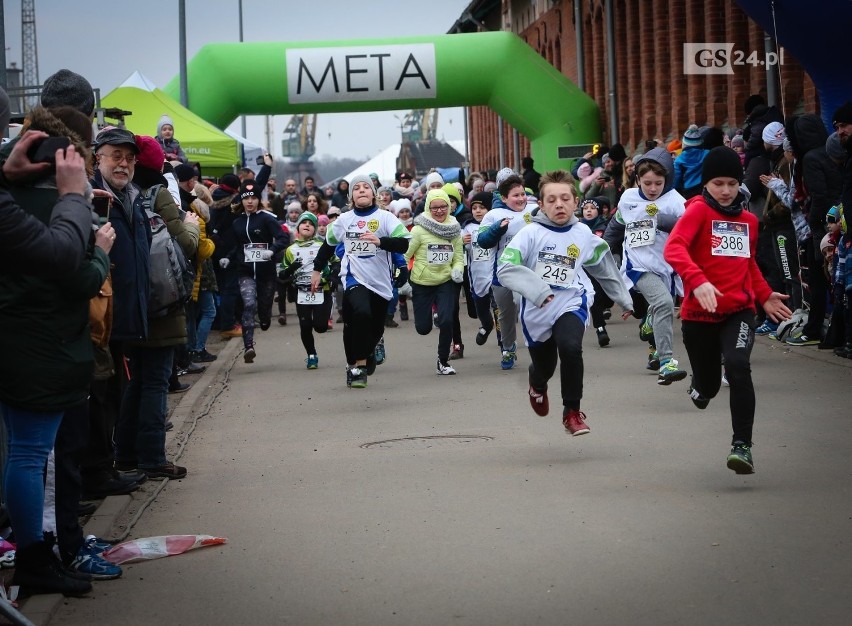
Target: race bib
(439, 253)
(729, 239)
(555, 269)
(355, 246)
(641, 233)
(482, 254)
(252, 252)
(304, 296)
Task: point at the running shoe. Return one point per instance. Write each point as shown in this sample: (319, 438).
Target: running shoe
(574, 422)
(766, 328)
(603, 337)
(697, 399)
(509, 357)
(653, 360)
(312, 361)
(457, 352)
(249, 355)
(607, 313)
(482, 336)
(380, 353)
(802, 340)
(670, 372)
(89, 560)
(646, 328)
(444, 369)
(539, 401)
(740, 459)
(356, 377)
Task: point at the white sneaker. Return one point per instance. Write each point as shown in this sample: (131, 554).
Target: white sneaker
(444, 370)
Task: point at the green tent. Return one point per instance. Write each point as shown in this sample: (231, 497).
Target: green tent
(201, 141)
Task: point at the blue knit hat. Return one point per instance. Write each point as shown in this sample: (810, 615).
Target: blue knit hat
(692, 137)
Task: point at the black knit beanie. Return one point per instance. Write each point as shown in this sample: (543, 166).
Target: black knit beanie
(721, 162)
(843, 115)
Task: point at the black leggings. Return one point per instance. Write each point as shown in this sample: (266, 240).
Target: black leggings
(707, 343)
(364, 314)
(602, 302)
(445, 298)
(313, 318)
(566, 342)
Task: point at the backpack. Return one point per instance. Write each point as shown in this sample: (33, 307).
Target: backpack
(171, 275)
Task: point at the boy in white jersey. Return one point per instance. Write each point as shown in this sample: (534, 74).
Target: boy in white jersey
(312, 308)
(369, 236)
(547, 263)
(648, 214)
(480, 265)
(510, 212)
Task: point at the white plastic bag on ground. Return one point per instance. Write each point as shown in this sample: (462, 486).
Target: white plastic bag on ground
(158, 547)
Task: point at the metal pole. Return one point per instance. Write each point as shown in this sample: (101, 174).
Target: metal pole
(578, 28)
(184, 89)
(771, 70)
(610, 53)
(516, 146)
(3, 48)
(501, 142)
(243, 117)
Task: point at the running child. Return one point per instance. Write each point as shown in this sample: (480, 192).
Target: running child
(549, 264)
(713, 248)
(480, 264)
(312, 308)
(647, 214)
(510, 212)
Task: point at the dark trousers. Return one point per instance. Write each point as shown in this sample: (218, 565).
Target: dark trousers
(707, 343)
(313, 318)
(257, 296)
(364, 314)
(104, 405)
(566, 343)
(445, 297)
(228, 281)
(787, 262)
(818, 285)
(457, 337)
(484, 312)
(68, 451)
(601, 303)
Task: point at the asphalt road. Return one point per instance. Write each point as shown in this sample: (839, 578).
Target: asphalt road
(439, 500)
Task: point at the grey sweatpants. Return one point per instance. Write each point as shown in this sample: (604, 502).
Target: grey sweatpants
(660, 310)
(508, 318)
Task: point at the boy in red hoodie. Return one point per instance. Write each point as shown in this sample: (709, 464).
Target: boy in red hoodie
(712, 247)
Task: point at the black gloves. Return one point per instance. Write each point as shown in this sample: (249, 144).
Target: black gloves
(401, 277)
(287, 272)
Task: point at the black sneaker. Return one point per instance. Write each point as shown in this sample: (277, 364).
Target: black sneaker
(249, 354)
(482, 336)
(603, 337)
(740, 459)
(371, 363)
(265, 325)
(697, 399)
(356, 377)
(202, 356)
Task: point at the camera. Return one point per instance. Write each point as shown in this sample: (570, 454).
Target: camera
(45, 150)
(259, 160)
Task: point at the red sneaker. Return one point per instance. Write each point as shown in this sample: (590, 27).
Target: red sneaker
(574, 422)
(330, 324)
(538, 402)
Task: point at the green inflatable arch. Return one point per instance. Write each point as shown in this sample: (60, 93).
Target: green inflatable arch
(495, 69)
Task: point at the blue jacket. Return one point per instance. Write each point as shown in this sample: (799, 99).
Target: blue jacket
(687, 169)
(129, 259)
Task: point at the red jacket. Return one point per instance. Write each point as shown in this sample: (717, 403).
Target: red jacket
(689, 250)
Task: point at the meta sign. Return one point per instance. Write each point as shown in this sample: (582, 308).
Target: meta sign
(363, 73)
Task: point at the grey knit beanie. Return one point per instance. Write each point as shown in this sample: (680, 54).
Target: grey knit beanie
(65, 88)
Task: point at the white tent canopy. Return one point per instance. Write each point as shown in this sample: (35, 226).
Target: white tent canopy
(384, 163)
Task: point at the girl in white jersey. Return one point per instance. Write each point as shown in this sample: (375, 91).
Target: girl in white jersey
(510, 212)
(480, 265)
(547, 263)
(648, 214)
(312, 308)
(369, 236)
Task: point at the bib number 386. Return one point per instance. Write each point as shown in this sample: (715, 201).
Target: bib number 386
(729, 239)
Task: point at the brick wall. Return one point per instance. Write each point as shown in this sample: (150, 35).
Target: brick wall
(655, 99)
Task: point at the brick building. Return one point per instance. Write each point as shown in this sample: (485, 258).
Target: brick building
(654, 98)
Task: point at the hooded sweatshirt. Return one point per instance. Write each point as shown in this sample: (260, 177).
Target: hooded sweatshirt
(545, 259)
(436, 247)
(647, 224)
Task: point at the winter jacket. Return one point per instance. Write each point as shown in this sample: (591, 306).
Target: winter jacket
(171, 147)
(47, 353)
(203, 267)
(257, 228)
(687, 171)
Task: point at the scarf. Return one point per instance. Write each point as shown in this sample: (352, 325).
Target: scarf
(733, 210)
(448, 230)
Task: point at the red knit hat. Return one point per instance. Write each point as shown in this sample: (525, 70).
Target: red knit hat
(150, 153)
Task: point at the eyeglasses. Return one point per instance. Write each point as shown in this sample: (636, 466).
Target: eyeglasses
(438, 207)
(118, 157)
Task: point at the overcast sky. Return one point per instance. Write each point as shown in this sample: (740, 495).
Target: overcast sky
(107, 41)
